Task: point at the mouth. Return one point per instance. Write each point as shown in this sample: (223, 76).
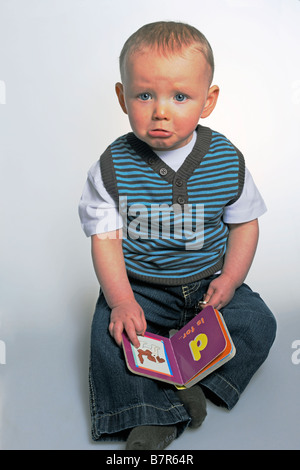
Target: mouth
(159, 133)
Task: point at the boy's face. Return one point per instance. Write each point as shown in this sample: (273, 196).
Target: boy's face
(165, 97)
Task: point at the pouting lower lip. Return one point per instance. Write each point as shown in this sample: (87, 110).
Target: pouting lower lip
(159, 133)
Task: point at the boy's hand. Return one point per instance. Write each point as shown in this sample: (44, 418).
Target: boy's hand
(220, 291)
(128, 316)
(241, 246)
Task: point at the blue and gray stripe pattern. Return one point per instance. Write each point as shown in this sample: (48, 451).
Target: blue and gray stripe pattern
(173, 228)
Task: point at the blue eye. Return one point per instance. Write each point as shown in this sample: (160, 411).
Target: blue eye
(144, 96)
(180, 97)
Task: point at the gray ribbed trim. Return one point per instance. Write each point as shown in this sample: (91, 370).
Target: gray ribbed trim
(193, 160)
(108, 175)
(241, 174)
(201, 148)
(179, 281)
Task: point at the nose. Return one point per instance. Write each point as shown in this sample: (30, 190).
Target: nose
(161, 111)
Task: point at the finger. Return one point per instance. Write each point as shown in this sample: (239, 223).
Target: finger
(140, 324)
(116, 330)
(215, 301)
(206, 300)
(132, 335)
(111, 328)
(209, 297)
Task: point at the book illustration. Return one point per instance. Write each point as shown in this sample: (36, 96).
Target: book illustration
(151, 355)
(193, 352)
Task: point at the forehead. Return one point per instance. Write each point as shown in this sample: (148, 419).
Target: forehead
(150, 62)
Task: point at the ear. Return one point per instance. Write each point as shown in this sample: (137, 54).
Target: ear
(211, 101)
(120, 94)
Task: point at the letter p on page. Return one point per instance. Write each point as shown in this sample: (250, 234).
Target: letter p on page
(197, 345)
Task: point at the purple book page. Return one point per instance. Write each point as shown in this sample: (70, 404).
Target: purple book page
(198, 343)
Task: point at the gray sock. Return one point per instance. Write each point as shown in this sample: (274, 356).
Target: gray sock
(151, 437)
(194, 402)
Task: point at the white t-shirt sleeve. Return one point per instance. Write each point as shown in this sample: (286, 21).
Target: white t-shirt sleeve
(98, 212)
(249, 206)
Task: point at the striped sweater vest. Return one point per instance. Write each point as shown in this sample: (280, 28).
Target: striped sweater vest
(173, 229)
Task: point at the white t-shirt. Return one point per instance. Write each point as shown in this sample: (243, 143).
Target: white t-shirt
(98, 211)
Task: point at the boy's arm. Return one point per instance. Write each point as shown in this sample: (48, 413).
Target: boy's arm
(241, 247)
(110, 269)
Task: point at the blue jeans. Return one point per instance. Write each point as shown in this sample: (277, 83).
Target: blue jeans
(121, 400)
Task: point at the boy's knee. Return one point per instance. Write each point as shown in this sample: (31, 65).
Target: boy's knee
(261, 318)
(271, 328)
(266, 320)
(264, 328)
(251, 323)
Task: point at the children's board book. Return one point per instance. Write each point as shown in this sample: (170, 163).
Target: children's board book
(199, 348)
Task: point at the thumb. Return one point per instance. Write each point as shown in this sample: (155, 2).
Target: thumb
(209, 293)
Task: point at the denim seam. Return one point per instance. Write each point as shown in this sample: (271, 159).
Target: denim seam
(92, 394)
(137, 406)
(185, 291)
(228, 383)
(188, 290)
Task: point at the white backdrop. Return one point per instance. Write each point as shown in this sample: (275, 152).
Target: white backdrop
(58, 112)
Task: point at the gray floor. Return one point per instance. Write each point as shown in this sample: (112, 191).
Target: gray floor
(44, 397)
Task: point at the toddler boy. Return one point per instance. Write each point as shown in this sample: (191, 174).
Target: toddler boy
(172, 213)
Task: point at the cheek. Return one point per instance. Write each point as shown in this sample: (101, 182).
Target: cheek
(190, 117)
(187, 121)
(138, 116)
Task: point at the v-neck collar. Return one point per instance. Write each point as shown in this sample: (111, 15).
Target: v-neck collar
(189, 165)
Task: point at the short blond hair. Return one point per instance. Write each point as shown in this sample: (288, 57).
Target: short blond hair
(169, 37)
